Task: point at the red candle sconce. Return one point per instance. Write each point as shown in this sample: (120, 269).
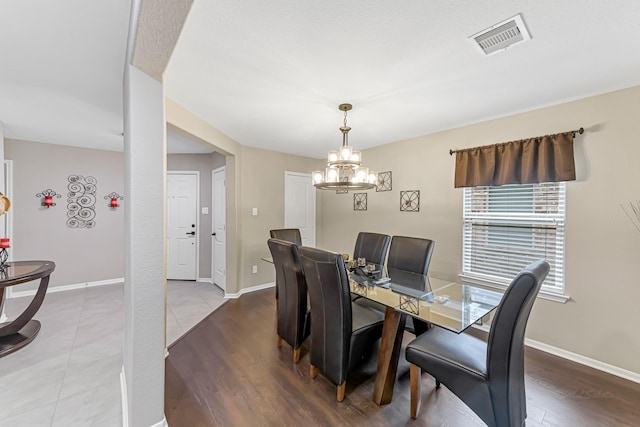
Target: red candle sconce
(47, 197)
(113, 197)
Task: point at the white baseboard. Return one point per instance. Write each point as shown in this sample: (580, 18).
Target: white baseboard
(123, 397)
(577, 358)
(125, 410)
(592, 363)
(204, 279)
(250, 289)
(162, 423)
(18, 294)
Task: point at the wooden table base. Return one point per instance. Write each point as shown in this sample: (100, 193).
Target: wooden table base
(390, 345)
(23, 329)
(13, 342)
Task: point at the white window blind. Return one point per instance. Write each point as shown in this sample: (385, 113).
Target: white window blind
(508, 227)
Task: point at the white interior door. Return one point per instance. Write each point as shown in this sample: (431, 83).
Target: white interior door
(182, 222)
(300, 205)
(219, 227)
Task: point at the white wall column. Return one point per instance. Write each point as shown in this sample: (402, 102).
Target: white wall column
(145, 283)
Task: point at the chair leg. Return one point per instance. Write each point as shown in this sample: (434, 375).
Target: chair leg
(437, 383)
(414, 376)
(313, 372)
(341, 389)
(296, 354)
(279, 341)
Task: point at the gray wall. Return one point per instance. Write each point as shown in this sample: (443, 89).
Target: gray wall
(262, 187)
(204, 163)
(84, 255)
(81, 254)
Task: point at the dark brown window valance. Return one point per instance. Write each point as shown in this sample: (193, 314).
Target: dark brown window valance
(542, 159)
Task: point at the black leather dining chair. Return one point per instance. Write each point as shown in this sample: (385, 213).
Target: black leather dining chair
(341, 332)
(411, 254)
(488, 377)
(293, 316)
(372, 247)
(289, 234)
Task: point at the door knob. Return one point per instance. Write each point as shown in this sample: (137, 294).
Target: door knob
(213, 234)
(193, 233)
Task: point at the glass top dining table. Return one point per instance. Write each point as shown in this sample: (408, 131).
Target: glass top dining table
(451, 305)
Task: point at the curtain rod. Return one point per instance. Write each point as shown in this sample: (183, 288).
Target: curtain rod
(580, 131)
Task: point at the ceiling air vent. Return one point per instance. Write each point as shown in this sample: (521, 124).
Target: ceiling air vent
(502, 35)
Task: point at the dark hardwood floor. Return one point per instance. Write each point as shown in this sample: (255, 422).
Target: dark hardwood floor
(228, 371)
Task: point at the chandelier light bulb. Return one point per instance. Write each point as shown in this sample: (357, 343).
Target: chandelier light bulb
(332, 174)
(362, 174)
(345, 153)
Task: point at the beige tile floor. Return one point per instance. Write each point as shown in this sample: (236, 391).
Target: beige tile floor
(70, 374)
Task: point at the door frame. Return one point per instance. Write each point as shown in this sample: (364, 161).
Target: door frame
(197, 174)
(213, 226)
(286, 184)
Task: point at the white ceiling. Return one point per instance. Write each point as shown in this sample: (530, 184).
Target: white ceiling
(271, 74)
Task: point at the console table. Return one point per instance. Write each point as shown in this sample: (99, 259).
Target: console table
(23, 329)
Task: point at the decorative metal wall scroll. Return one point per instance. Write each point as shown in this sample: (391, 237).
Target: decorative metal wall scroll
(359, 201)
(410, 201)
(384, 181)
(47, 197)
(81, 201)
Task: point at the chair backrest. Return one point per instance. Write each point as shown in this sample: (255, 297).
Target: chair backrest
(372, 246)
(331, 322)
(292, 292)
(288, 234)
(505, 347)
(410, 254)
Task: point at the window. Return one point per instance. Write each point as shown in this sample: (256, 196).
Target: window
(508, 227)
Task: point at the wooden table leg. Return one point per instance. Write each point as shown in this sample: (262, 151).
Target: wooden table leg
(390, 344)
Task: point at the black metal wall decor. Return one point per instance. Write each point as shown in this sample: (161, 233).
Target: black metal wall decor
(81, 201)
(384, 181)
(359, 201)
(410, 201)
(47, 197)
(113, 199)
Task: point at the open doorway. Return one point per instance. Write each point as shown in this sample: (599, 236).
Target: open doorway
(192, 295)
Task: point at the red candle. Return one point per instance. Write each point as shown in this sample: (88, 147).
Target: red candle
(48, 201)
(114, 202)
(4, 242)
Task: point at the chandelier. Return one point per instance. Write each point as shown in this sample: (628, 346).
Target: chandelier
(344, 167)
